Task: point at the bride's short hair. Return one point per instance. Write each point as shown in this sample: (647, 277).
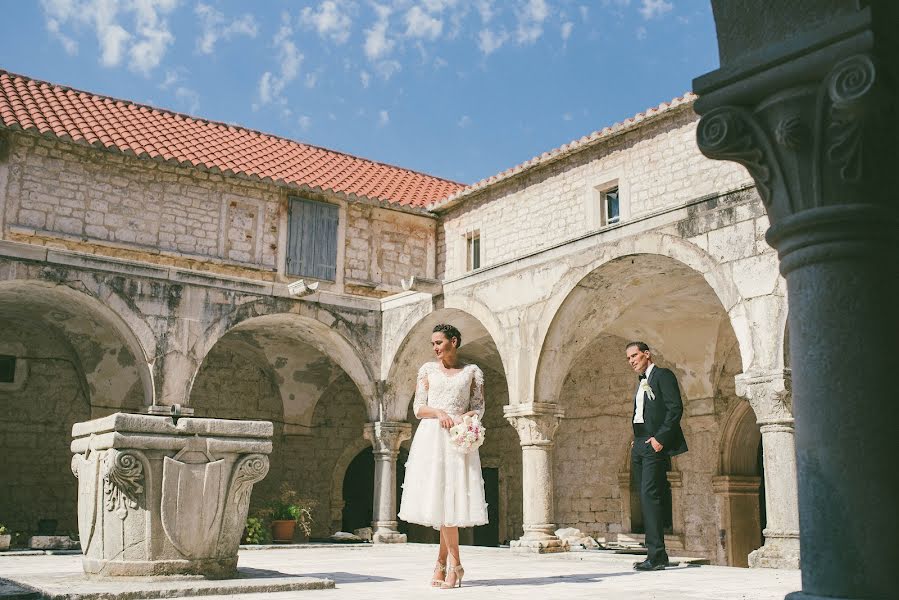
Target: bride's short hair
(449, 331)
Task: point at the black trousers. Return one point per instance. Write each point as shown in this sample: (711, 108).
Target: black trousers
(649, 470)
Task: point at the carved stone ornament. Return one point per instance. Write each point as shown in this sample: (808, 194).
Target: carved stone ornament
(811, 146)
(123, 481)
(535, 430)
(386, 437)
(770, 395)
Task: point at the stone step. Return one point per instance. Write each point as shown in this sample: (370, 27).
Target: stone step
(10, 591)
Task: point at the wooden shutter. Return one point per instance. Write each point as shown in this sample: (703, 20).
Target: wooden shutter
(312, 239)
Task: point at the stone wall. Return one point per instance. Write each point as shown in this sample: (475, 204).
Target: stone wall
(655, 167)
(35, 429)
(66, 195)
(383, 247)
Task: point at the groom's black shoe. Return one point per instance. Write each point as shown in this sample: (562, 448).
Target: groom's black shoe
(648, 565)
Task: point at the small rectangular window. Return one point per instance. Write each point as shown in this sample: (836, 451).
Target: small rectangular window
(7, 369)
(312, 239)
(473, 250)
(610, 206)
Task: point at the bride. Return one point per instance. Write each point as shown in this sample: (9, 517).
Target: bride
(443, 489)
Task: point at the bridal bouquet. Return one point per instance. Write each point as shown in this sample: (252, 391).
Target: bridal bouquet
(467, 435)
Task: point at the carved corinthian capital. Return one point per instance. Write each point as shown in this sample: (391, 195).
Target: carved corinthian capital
(769, 394)
(535, 423)
(386, 436)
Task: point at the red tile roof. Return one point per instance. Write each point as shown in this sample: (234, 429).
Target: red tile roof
(555, 154)
(119, 125)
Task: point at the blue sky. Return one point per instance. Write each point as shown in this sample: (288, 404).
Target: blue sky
(462, 89)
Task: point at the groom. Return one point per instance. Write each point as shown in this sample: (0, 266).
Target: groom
(657, 437)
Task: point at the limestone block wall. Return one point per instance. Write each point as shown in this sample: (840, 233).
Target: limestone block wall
(385, 246)
(35, 430)
(655, 167)
(65, 195)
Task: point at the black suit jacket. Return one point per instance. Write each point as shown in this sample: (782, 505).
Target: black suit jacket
(662, 414)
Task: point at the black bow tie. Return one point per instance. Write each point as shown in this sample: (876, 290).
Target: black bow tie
(642, 376)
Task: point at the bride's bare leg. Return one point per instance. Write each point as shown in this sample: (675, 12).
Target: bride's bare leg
(451, 535)
(439, 573)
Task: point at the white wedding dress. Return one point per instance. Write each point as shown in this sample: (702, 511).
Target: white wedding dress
(444, 487)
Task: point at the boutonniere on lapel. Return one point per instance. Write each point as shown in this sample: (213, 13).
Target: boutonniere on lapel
(644, 387)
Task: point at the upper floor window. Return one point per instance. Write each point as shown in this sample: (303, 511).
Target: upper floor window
(611, 212)
(472, 250)
(312, 239)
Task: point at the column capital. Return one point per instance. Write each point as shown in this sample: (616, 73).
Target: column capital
(770, 394)
(386, 436)
(536, 423)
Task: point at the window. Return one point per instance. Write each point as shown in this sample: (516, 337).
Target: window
(610, 208)
(7, 369)
(472, 250)
(312, 239)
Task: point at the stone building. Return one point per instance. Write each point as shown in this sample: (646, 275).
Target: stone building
(151, 260)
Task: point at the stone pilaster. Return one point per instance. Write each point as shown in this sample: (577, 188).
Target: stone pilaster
(737, 499)
(385, 438)
(806, 100)
(769, 395)
(536, 425)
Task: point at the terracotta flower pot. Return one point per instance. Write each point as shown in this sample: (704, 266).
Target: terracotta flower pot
(282, 531)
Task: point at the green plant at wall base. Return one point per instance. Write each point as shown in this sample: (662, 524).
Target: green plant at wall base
(289, 506)
(3, 530)
(255, 531)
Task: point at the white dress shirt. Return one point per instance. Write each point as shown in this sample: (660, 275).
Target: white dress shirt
(639, 396)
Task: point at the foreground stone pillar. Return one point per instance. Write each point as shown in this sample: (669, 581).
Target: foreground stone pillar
(536, 425)
(770, 397)
(805, 100)
(385, 438)
(159, 498)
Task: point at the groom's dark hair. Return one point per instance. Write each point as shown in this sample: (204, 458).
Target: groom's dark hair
(450, 332)
(641, 346)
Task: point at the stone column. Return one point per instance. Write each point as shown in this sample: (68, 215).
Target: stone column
(536, 425)
(770, 397)
(385, 438)
(806, 100)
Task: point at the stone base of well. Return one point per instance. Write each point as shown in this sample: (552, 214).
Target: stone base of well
(159, 497)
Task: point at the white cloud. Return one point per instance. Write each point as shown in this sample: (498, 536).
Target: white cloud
(388, 68)
(377, 43)
(305, 122)
(331, 20)
(383, 118)
(485, 9)
(271, 86)
(567, 26)
(641, 33)
(311, 80)
(655, 8)
(189, 99)
(567, 116)
(530, 21)
(172, 76)
(585, 12)
(420, 24)
(145, 44)
(365, 78)
(489, 42)
(464, 122)
(440, 62)
(214, 27)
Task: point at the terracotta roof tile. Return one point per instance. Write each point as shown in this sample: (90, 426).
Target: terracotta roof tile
(148, 132)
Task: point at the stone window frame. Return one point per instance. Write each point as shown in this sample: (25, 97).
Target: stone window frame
(595, 200)
(468, 243)
(20, 375)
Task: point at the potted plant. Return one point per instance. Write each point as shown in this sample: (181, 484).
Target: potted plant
(286, 511)
(5, 538)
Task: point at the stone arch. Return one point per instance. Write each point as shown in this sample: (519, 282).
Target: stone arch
(739, 487)
(298, 322)
(350, 452)
(477, 344)
(671, 247)
(75, 359)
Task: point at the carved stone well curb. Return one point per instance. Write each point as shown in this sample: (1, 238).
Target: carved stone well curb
(160, 498)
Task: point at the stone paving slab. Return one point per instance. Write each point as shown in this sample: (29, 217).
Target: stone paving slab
(403, 570)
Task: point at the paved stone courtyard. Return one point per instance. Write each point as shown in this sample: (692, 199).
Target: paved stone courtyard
(401, 571)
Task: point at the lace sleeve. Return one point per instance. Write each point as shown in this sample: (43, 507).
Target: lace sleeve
(477, 391)
(421, 390)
